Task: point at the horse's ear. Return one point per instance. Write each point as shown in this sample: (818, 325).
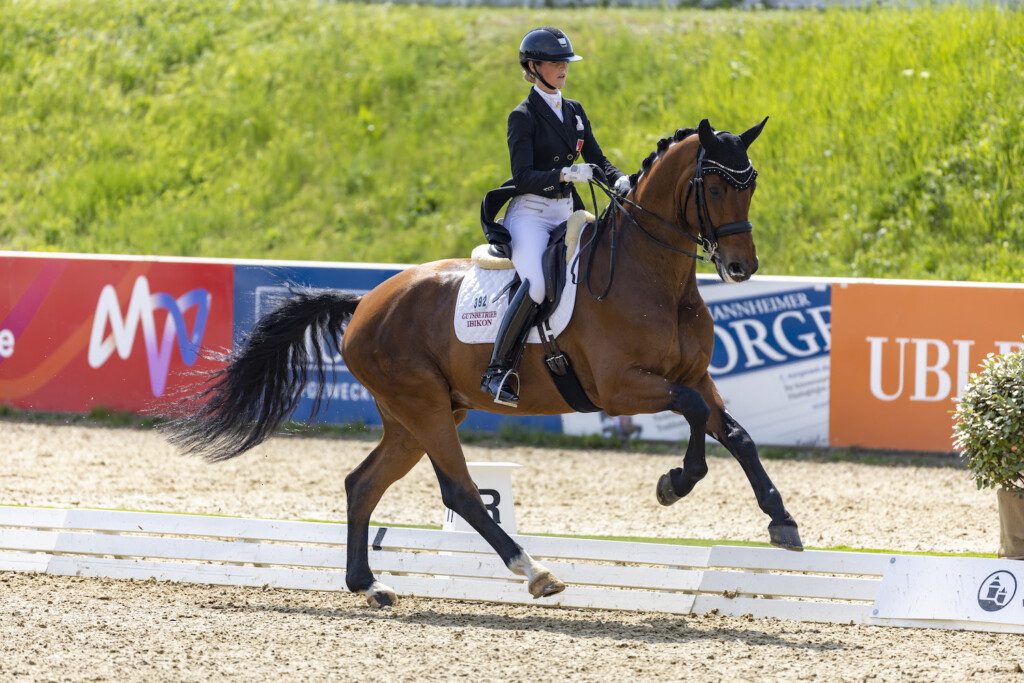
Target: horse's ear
(749, 136)
(707, 134)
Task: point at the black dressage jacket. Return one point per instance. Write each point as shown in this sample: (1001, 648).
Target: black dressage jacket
(539, 146)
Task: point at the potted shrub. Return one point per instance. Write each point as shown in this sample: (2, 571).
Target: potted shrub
(988, 431)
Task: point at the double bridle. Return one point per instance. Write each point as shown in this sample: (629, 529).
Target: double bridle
(739, 179)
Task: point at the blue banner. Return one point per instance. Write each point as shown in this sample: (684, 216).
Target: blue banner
(769, 329)
(259, 289)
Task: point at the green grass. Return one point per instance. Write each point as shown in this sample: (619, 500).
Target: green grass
(286, 129)
(706, 543)
(701, 542)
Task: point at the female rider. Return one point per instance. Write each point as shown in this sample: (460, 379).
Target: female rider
(547, 133)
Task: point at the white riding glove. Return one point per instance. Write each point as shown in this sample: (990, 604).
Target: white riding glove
(622, 185)
(577, 173)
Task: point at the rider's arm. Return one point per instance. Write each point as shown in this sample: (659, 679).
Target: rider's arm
(520, 151)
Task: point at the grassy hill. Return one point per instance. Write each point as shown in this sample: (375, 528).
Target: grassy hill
(306, 130)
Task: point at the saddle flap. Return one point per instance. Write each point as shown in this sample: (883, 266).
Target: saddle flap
(553, 263)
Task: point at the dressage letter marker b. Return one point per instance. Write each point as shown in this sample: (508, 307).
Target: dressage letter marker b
(494, 481)
(492, 506)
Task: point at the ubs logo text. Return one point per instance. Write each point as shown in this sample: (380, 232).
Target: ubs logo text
(926, 368)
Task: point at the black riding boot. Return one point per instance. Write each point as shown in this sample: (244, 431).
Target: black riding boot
(508, 348)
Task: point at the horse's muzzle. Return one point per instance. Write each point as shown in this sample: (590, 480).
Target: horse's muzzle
(736, 271)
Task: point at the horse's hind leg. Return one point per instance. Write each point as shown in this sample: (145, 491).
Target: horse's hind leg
(391, 460)
(782, 530)
(437, 432)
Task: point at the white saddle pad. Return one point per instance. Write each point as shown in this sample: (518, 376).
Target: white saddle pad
(477, 316)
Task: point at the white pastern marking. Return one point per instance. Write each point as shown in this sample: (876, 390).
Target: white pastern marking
(376, 588)
(524, 565)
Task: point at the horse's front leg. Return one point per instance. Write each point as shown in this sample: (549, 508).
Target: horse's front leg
(639, 392)
(679, 481)
(782, 530)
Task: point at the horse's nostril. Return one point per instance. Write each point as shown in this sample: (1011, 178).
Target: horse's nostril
(735, 269)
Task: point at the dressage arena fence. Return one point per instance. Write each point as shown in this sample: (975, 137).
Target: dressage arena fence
(822, 586)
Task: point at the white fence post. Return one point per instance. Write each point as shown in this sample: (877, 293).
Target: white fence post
(494, 479)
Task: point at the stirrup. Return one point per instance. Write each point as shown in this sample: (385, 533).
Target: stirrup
(513, 400)
(494, 374)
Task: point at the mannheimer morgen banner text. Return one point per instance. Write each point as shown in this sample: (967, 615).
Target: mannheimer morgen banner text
(770, 362)
(771, 358)
(259, 288)
(122, 333)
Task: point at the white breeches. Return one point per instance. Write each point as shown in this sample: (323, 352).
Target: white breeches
(530, 219)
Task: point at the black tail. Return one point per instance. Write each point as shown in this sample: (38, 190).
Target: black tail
(264, 379)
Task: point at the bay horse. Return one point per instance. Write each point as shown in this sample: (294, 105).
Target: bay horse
(644, 347)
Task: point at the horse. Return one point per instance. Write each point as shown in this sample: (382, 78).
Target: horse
(642, 347)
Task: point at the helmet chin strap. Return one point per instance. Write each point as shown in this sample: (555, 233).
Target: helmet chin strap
(536, 74)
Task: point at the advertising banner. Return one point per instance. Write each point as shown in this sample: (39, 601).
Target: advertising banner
(903, 351)
(970, 590)
(78, 333)
(798, 361)
(259, 288)
(770, 362)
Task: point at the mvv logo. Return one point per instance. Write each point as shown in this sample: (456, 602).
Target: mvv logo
(929, 366)
(141, 307)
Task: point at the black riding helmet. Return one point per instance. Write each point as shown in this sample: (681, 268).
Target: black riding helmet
(546, 44)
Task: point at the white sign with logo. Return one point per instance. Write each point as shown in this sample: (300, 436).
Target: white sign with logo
(979, 590)
(770, 362)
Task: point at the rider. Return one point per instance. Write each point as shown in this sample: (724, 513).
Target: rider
(547, 133)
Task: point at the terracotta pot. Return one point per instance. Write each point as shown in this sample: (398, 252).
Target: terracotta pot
(1011, 525)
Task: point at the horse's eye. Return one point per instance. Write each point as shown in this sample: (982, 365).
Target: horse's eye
(715, 191)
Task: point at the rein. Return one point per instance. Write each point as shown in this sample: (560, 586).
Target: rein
(739, 179)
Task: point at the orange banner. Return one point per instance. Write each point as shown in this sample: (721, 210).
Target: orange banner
(902, 352)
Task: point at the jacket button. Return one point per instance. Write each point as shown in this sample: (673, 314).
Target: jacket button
(569, 158)
(556, 158)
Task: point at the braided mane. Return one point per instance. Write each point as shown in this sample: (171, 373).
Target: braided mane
(663, 144)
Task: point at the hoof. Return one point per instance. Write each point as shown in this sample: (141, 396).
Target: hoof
(379, 595)
(545, 584)
(787, 537)
(666, 494)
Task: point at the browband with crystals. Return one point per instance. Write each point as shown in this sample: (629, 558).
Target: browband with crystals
(740, 179)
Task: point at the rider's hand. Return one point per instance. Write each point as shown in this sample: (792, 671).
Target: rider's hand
(577, 173)
(622, 185)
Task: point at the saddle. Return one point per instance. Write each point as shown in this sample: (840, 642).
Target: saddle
(560, 250)
(561, 245)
